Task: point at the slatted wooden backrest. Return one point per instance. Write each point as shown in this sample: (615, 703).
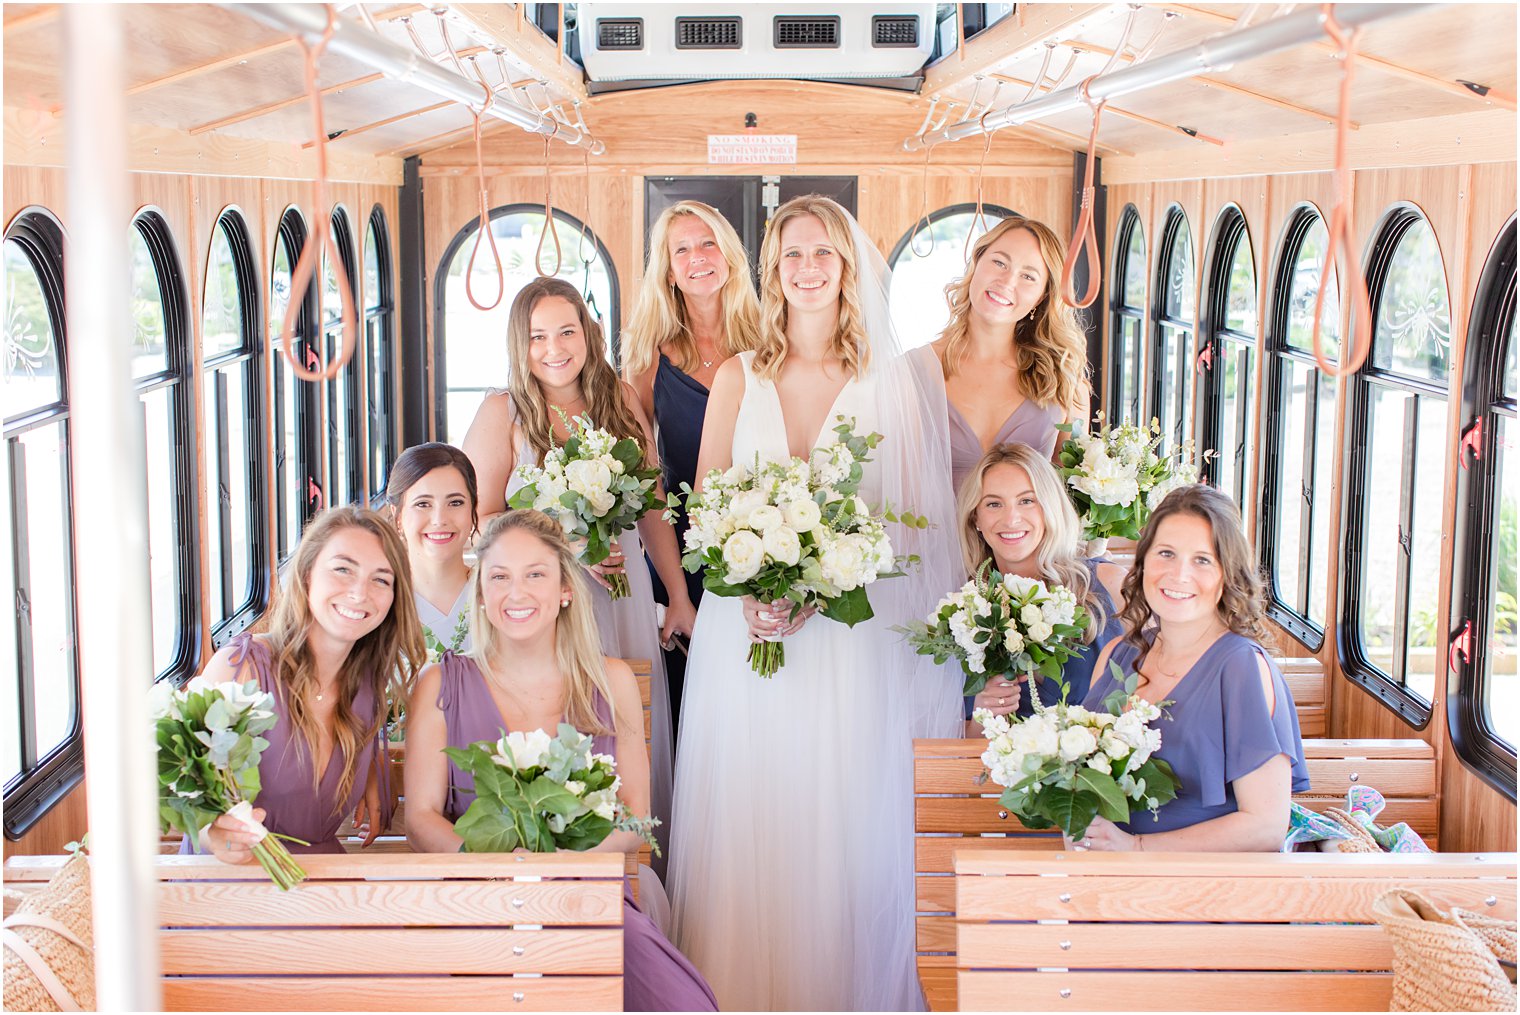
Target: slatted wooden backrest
(483, 932)
(1198, 931)
(953, 810)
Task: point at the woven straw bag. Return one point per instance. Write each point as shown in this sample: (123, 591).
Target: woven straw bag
(1361, 840)
(1445, 962)
(49, 956)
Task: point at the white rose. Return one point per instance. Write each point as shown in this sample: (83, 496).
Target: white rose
(743, 553)
(782, 544)
(518, 751)
(765, 517)
(1115, 747)
(802, 515)
(584, 476)
(1077, 742)
(1013, 642)
(1031, 616)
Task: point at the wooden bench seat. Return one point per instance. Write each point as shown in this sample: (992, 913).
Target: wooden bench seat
(451, 932)
(953, 811)
(1197, 931)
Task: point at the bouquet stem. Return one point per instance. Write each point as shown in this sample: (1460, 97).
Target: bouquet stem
(278, 863)
(766, 657)
(617, 586)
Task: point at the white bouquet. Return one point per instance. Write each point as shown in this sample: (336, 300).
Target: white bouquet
(1065, 765)
(1118, 475)
(596, 486)
(794, 530)
(1002, 624)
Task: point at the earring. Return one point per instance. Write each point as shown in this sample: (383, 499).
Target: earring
(564, 603)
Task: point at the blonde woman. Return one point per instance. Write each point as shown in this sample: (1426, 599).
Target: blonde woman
(537, 662)
(342, 627)
(1014, 511)
(792, 887)
(1013, 357)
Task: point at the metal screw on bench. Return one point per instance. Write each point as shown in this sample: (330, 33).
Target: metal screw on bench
(1002, 815)
(1355, 776)
(1492, 900)
(1064, 897)
(1065, 992)
(1065, 946)
(517, 903)
(519, 950)
(519, 996)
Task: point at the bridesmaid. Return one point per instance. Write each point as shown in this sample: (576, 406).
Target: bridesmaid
(696, 308)
(538, 663)
(559, 365)
(432, 492)
(1013, 357)
(342, 628)
(1193, 625)
(1014, 510)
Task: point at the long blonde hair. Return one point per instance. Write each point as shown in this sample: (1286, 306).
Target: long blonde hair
(577, 642)
(1056, 555)
(1049, 345)
(850, 343)
(660, 318)
(600, 386)
(387, 659)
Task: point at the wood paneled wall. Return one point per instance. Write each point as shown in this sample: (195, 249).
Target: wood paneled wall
(1466, 205)
(191, 205)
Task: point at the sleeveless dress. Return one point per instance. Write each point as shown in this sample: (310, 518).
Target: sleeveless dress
(452, 629)
(656, 977)
(292, 806)
(629, 631)
(1217, 730)
(788, 791)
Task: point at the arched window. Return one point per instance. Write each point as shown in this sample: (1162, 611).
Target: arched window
(1229, 358)
(1172, 338)
(1127, 319)
(379, 329)
(1483, 715)
(471, 354)
(43, 755)
(297, 455)
(161, 363)
(919, 310)
(1298, 433)
(234, 441)
(344, 464)
(1397, 434)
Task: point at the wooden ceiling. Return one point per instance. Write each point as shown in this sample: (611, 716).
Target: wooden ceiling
(213, 87)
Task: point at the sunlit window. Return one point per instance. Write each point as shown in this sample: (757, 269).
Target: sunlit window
(297, 456)
(1172, 340)
(929, 257)
(1127, 320)
(1229, 360)
(344, 462)
(379, 329)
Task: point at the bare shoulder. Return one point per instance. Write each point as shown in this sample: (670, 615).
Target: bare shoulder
(429, 681)
(230, 663)
(729, 377)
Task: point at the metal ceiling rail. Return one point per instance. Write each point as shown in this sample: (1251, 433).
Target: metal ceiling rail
(402, 63)
(1214, 54)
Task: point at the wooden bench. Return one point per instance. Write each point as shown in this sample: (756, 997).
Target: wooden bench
(953, 811)
(479, 932)
(1198, 931)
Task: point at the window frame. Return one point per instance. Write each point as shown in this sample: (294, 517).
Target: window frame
(178, 373)
(291, 234)
(380, 372)
(349, 487)
(964, 208)
(1120, 312)
(45, 779)
(1493, 314)
(1394, 224)
(1176, 222)
(1230, 230)
(248, 357)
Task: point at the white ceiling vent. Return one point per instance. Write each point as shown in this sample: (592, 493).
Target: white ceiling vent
(700, 42)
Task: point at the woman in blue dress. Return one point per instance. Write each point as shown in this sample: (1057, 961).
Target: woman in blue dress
(1193, 624)
(1014, 510)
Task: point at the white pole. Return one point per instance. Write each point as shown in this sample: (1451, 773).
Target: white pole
(108, 466)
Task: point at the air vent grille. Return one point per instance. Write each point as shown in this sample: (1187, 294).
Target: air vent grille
(891, 31)
(619, 33)
(798, 32)
(709, 33)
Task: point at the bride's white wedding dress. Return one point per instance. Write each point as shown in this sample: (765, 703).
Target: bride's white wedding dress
(792, 847)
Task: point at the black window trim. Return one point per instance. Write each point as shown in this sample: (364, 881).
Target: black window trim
(1230, 229)
(1120, 311)
(380, 397)
(1493, 314)
(1176, 221)
(52, 776)
(291, 233)
(345, 431)
(1393, 225)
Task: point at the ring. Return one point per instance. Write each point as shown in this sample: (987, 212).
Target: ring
(1002, 701)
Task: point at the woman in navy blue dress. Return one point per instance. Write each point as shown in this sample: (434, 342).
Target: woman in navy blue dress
(1014, 510)
(696, 308)
(1193, 624)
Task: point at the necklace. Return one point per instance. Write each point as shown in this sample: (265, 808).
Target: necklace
(1154, 662)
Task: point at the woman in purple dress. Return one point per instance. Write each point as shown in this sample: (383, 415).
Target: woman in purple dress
(1013, 356)
(342, 629)
(433, 494)
(536, 662)
(1193, 624)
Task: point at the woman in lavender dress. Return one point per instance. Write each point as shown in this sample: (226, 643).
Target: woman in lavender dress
(537, 662)
(1014, 510)
(342, 628)
(1013, 357)
(1193, 624)
(432, 492)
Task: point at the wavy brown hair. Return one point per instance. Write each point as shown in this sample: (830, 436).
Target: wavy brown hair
(387, 660)
(659, 317)
(850, 344)
(600, 386)
(1049, 346)
(1242, 607)
(577, 642)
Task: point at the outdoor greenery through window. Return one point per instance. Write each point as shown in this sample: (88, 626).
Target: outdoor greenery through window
(1172, 366)
(1230, 364)
(926, 260)
(1128, 320)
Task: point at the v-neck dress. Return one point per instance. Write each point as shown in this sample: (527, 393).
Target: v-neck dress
(680, 405)
(445, 626)
(1217, 729)
(292, 805)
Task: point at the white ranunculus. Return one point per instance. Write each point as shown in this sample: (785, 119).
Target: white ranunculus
(782, 544)
(1031, 616)
(802, 515)
(743, 554)
(1077, 742)
(1040, 633)
(1114, 746)
(765, 517)
(1013, 642)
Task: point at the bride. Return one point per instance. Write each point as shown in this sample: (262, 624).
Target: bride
(792, 845)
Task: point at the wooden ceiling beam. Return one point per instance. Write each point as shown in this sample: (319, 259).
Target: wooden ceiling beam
(353, 131)
(1067, 137)
(43, 14)
(439, 140)
(1009, 39)
(506, 27)
(1128, 115)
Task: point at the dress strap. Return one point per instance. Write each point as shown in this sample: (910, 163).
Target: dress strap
(245, 651)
